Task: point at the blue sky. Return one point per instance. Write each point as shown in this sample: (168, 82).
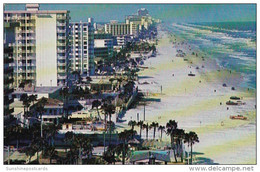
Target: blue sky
(165, 12)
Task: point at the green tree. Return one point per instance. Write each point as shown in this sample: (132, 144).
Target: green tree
(161, 129)
(96, 104)
(140, 124)
(65, 94)
(191, 138)
(154, 125)
(109, 110)
(132, 124)
(171, 130)
(124, 136)
(40, 109)
(146, 127)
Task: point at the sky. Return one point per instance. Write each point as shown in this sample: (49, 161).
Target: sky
(188, 13)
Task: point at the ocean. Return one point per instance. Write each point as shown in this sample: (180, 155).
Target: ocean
(231, 44)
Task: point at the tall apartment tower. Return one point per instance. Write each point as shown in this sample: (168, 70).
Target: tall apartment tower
(41, 48)
(8, 80)
(142, 12)
(9, 39)
(82, 47)
(117, 29)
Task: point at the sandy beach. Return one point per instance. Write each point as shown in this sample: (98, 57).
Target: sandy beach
(195, 103)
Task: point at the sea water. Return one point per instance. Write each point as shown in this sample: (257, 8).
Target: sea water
(231, 44)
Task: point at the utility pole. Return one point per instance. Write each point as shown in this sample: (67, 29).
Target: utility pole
(41, 127)
(138, 117)
(8, 151)
(144, 111)
(104, 142)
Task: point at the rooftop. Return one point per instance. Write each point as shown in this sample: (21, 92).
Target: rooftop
(36, 12)
(53, 102)
(142, 155)
(37, 90)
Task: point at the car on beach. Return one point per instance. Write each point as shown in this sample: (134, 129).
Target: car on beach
(241, 117)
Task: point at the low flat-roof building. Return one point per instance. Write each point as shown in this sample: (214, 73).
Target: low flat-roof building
(150, 157)
(47, 92)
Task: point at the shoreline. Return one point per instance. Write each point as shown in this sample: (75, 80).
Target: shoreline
(194, 104)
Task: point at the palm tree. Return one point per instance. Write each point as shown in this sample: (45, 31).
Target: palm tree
(154, 125)
(79, 142)
(50, 132)
(146, 127)
(162, 129)
(153, 48)
(191, 138)
(109, 155)
(65, 93)
(26, 103)
(87, 94)
(180, 134)
(119, 80)
(124, 136)
(96, 104)
(17, 130)
(111, 80)
(132, 124)
(30, 151)
(77, 75)
(140, 124)
(40, 109)
(110, 109)
(50, 152)
(37, 144)
(171, 130)
(32, 98)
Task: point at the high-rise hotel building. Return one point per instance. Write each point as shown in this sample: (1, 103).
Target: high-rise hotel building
(82, 47)
(117, 29)
(40, 49)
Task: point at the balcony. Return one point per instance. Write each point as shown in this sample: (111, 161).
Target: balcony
(61, 64)
(31, 71)
(61, 30)
(31, 64)
(61, 37)
(21, 31)
(20, 38)
(30, 24)
(30, 31)
(31, 44)
(30, 51)
(62, 77)
(30, 77)
(61, 51)
(61, 24)
(30, 38)
(61, 17)
(61, 44)
(21, 78)
(31, 57)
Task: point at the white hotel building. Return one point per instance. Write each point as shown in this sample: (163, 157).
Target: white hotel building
(41, 45)
(82, 47)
